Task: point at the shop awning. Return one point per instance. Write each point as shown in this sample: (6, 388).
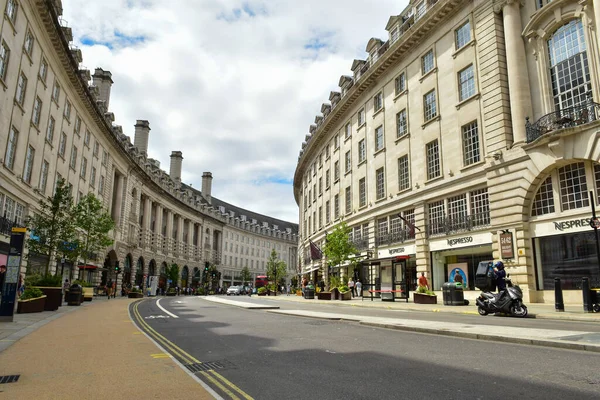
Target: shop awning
(395, 258)
(88, 266)
(310, 269)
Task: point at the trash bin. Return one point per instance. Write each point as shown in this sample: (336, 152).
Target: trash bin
(446, 293)
(75, 295)
(309, 293)
(457, 295)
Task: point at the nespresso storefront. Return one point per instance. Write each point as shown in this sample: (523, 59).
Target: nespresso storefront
(393, 269)
(565, 249)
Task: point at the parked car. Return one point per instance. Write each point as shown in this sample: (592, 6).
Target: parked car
(234, 290)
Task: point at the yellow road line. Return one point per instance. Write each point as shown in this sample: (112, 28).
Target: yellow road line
(218, 384)
(187, 357)
(231, 385)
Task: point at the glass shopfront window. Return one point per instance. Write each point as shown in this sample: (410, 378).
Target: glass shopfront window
(569, 257)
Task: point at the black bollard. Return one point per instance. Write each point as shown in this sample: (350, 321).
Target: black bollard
(559, 304)
(587, 298)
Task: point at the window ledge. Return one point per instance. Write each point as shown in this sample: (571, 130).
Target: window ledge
(360, 208)
(347, 173)
(470, 43)
(380, 200)
(476, 96)
(34, 126)
(378, 112)
(20, 107)
(49, 143)
(474, 165)
(433, 71)
(336, 181)
(346, 138)
(402, 93)
(336, 149)
(7, 168)
(43, 81)
(436, 118)
(379, 152)
(437, 178)
(408, 189)
(3, 84)
(10, 22)
(28, 56)
(405, 136)
(361, 162)
(361, 125)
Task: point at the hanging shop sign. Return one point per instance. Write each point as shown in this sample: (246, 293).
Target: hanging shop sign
(506, 246)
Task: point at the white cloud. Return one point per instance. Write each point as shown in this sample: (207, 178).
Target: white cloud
(232, 84)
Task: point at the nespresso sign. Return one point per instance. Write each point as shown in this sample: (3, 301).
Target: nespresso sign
(462, 240)
(574, 223)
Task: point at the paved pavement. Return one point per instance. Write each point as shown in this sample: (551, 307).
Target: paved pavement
(89, 352)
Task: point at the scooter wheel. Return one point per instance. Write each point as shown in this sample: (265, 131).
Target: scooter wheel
(518, 310)
(482, 311)
(596, 307)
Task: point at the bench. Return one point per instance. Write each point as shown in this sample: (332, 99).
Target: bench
(405, 296)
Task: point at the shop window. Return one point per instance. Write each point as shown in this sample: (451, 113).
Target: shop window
(457, 210)
(543, 202)
(573, 186)
(436, 217)
(480, 207)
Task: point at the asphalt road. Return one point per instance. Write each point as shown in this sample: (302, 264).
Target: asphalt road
(270, 356)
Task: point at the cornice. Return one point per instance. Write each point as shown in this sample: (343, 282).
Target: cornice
(440, 12)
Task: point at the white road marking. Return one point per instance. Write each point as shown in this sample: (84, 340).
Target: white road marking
(162, 308)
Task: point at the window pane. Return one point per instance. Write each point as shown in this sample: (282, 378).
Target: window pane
(573, 186)
(470, 139)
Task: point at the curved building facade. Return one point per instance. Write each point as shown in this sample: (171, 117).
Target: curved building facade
(469, 134)
(55, 123)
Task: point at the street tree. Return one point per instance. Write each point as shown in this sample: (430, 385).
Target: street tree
(94, 224)
(276, 269)
(173, 274)
(338, 248)
(246, 276)
(52, 227)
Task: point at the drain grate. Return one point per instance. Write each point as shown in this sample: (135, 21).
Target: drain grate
(199, 367)
(9, 378)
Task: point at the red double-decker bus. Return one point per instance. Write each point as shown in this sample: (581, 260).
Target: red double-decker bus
(260, 281)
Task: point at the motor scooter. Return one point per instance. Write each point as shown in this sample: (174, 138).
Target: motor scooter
(509, 301)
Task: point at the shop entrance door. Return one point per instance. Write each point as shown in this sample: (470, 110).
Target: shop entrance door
(387, 282)
(370, 273)
(399, 274)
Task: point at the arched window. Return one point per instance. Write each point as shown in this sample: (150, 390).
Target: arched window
(569, 71)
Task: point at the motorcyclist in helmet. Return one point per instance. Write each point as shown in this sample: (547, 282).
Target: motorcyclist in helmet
(500, 275)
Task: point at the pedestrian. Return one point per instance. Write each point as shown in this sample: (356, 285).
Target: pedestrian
(108, 288)
(351, 286)
(322, 285)
(358, 288)
(304, 283)
(289, 288)
(114, 289)
(423, 280)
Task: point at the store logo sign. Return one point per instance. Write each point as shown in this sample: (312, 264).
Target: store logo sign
(462, 240)
(574, 223)
(399, 250)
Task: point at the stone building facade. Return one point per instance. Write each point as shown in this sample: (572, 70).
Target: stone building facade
(469, 134)
(55, 124)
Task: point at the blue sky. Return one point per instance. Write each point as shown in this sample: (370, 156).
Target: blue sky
(232, 84)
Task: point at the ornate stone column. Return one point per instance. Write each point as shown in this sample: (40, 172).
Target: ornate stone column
(147, 211)
(169, 234)
(597, 17)
(518, 77)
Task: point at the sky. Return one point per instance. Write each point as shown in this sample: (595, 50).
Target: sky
(232, 84)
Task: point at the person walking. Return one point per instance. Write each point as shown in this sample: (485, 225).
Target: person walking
(108, 288)
(423, 280)
(358, 287)
(351, 286)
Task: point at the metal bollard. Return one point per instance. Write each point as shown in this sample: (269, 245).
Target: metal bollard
(559, 304)
(587, 296)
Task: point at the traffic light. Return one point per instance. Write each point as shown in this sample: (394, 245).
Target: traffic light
(206, 266)
(117, 267)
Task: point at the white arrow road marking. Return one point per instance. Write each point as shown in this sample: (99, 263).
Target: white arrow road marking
(162, 308)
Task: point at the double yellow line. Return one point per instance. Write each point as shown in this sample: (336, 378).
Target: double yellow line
(212, 376)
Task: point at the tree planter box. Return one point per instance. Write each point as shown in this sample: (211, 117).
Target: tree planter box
(324, 295)
(262, 294)
(88, 293)
(420, 298)
(335, 294)
(31, 305)
(53, 297)
(133, 295)
(346, 295)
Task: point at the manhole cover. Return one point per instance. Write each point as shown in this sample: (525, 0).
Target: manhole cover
(9, 378)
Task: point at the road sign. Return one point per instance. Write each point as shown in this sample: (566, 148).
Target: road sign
(595, 223)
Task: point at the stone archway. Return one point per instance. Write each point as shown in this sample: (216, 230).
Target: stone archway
(108, 270)
(139, 272)
(127, 262)
(185, 272)
(162, 279)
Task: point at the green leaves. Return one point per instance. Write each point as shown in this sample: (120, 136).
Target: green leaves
(276, 268)
(338, 248)
(246, 275)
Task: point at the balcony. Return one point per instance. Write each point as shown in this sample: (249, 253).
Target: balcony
(465, 223)
(393, 238)
(6, 226)
(361, 244)
(566, 118)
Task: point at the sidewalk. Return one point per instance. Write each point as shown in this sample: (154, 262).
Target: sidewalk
(536, 310)
(89, 352)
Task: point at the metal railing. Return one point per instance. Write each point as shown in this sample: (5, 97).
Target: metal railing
(560, 119)
(463, 223)
(6, 226)
(395, 237)
(361, 244)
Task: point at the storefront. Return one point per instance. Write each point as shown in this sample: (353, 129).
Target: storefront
(458, 255)
(565, 249)
(394, 270)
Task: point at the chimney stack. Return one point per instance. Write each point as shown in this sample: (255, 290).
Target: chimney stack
(206, 186)
(103, 81)
(175, 170)
(142, 131)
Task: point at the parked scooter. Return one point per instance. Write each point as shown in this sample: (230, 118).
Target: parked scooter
(509, 301)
